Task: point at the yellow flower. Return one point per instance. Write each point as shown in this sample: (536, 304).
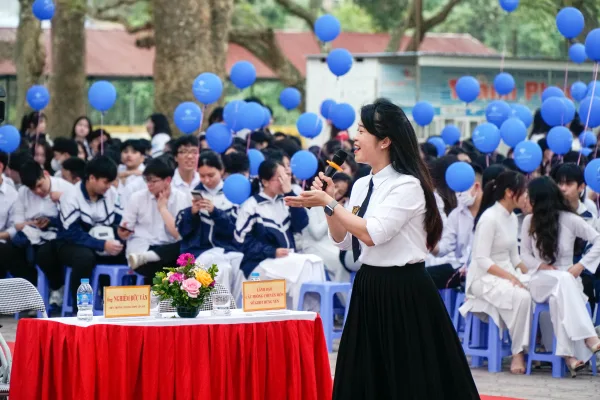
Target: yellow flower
(203, 277)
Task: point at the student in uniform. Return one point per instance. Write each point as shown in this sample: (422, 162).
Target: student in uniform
(130, 178)
(186, 152)
(82, 127)
(265, 230)
(159, 129)
(148, 223)
(493, 285)
(62, 149)
(207, 226)
(547, 250)
(90, 215)
(73, 170)
(398, 341)
(12, 259)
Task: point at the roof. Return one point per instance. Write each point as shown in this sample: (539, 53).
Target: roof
(113, 53)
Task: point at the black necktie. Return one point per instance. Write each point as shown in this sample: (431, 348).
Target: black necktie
(361, 213)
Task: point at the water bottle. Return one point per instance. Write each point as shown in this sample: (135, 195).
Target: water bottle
(84, 301)
(254, 277)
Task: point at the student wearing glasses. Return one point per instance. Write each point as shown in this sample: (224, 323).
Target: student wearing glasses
(186, 153)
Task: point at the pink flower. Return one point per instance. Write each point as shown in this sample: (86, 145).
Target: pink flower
(192, 287)
(185, 258)
(176, 277)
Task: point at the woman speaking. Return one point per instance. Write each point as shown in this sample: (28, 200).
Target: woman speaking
(398, 341)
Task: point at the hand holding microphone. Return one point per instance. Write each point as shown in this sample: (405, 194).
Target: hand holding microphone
(335, 165)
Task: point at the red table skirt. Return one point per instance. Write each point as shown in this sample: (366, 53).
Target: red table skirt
(275, 360)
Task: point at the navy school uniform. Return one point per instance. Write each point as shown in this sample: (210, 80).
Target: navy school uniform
(265, 224)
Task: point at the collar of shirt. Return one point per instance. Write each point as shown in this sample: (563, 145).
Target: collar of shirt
(263, 197)
(501, 209)
(382, 176)
(86, 195)
(216, 190)
(581, 209)
(179, 182)
(3, 186)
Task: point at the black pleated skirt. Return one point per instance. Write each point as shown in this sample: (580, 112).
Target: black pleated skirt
(399, 342)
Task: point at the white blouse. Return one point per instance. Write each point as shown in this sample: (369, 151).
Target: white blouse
(571, 227)
(395, 219)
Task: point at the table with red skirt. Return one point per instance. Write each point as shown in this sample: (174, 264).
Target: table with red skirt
(243, 356)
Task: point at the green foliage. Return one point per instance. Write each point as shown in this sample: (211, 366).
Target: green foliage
(354, 18)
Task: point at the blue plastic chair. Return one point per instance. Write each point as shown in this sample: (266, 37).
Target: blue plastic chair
(559, 367)
(449, 298)
(67, 306)
(116, 274)
(326, 290)
(479, 345)
(457, 319)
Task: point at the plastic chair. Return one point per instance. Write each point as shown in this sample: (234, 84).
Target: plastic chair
(478, 345)
(116, 274)
(559, 367)
(457, 319)
(326, 290)
(449, 298)
(44, 288)
(67, 306)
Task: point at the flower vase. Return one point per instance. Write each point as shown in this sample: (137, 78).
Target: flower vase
(188, 312)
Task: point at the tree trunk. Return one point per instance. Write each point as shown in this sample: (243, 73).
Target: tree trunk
(419, 32)
(68, 80)
(190, 38)
(30, 54)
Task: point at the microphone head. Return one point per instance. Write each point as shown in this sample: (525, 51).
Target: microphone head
(339, 157)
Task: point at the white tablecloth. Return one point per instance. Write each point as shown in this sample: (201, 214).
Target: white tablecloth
(204, 318)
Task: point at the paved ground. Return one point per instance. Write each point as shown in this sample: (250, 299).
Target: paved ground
(539, 386)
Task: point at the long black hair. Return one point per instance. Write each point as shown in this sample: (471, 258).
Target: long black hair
(209, 158)
(83, 117)
(438, 169)
(384, 119)
(495, 189)
(547, 202)
(161, 124)
(266, 171)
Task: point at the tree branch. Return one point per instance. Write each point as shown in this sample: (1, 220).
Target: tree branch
(116, 5)
(398, 33)
(299, 11)
(441, 16)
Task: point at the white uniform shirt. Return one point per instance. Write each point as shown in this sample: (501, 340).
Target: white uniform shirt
(395, 219)
(158, 143)
(180, 184)
(132, 184)
(31, 205)
(8, 206)
(571, 226)
(142, 216)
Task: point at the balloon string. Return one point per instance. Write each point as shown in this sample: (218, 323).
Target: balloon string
(566, 78)
(303, 184)
(503, 53)
(200, 128)
(587, 120)
(101, 133)
(487, 160)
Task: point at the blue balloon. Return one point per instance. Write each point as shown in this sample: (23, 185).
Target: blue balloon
(486, 137)
(577, 53)
(570, 22)
(38, 97)
(256, 158)
(592, 107)
(578, 90)
(592, 175)
(327, 28)
(528, 156)
(267, 117)
(243, 74)
(252, 115)
(523, 113)
(439, 144)
(290, 98)
(423, 113)
(233, 115)
(207, 88)
(497, 112)
(467, 89)
(43, 9)
(342, 116)
(237, 188)
(592, 45)
(552, 91)
(569, 111)
(102, 95)
(460, 176)
(326, 107)
(504, 83)
(585, 151)
(587, 139)
(553, 111)
(188, 117)
(513, 131)
(450, 134)
(219, 137)
(593, 87)
(10, 139)
(560, 140)
(509, 5)
(304, 164)
(339, 61)
(309, 125)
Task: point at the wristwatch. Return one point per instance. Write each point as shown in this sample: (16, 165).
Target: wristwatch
(329, 208)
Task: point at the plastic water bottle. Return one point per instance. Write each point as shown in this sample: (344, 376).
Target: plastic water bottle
(84, 301)
(254, 277)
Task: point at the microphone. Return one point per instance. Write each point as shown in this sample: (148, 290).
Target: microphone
(335, 165)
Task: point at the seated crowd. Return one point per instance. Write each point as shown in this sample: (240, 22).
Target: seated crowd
(508, 241)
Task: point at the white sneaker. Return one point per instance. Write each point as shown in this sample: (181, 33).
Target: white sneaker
(136, 260)
(57, 296)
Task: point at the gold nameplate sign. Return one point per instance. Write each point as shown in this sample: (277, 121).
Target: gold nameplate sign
(126, 301)
(264, 295)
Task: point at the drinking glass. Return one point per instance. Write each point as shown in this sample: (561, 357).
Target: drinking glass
(221, 304)
(154, 305)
